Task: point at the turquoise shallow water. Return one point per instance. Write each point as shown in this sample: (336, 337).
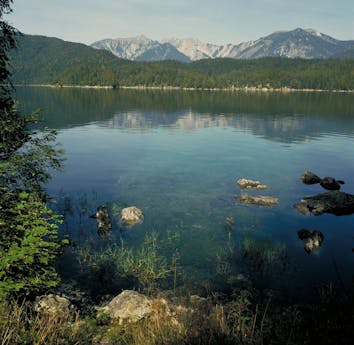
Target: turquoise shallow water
(177, 156)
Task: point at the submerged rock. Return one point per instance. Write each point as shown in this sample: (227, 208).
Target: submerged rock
(309, 177)
(128, 306)
(104, 224)
(257, 200)
(250, 184)
(53, 305)
(331, 183)
(312, 239)
(81, 299)
(229, 222)
(197, 300)
(239, 280)
(131, 215)
(334, 202)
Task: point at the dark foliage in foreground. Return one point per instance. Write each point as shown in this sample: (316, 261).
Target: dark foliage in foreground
(28, 230)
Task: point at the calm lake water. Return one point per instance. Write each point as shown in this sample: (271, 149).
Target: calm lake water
(177, 156)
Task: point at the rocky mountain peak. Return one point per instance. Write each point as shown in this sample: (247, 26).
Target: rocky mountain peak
(297, 43)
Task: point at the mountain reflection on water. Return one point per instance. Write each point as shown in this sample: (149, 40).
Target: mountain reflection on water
(279, 117)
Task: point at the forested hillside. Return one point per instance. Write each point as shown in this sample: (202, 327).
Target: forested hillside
(43, 60)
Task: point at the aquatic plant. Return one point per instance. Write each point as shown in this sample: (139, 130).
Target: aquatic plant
(228, 226)
(115, 208)
(143, 264)
(83, 204)
(249, 262)
(223, 265)
(229, 222)
(262, 254)
(174, 268)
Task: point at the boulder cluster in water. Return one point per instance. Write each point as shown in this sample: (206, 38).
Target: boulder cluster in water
(329, 183)
(334, 201)
(259, 200)
(244, 183)
(129, 215)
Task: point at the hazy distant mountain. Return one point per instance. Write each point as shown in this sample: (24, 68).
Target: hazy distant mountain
(127, 48)
(164, 51)
(141, 48)
(194, 48)
(347, 52)
(298, 43)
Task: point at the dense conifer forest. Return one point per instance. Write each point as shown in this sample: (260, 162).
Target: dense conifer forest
(43, 60)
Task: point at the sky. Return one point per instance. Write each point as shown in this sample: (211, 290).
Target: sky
(217, 21)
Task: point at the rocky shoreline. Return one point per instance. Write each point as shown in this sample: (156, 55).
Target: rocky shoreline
(168, 88)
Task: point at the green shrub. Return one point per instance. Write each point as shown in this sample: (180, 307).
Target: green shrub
(28, 244)
(28, 229)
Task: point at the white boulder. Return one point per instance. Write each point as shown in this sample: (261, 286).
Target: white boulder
(128, 306)
(131, 215)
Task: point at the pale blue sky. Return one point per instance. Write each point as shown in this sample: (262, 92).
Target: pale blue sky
(218, 21)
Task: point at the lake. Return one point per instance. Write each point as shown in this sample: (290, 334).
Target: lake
(177, 155)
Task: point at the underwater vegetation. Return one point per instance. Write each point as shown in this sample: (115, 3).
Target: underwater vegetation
(142, 266)
(263, 251)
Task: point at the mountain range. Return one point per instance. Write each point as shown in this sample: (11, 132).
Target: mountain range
(49, 60)
(298, 43)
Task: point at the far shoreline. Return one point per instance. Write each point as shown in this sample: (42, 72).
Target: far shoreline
(179, 88)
